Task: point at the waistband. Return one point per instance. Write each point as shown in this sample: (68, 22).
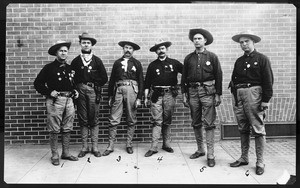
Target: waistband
(91, 84)
(245, 85)
(197, 84)
(126, 83)
(163, 88)
(65, 93)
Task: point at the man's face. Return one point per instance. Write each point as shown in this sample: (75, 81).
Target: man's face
(128, 50)
(86, 45)
(62, 53)
(247, 44)
(161, 51)
(199, 40)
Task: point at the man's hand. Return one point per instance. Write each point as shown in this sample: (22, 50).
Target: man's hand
(263, 106)
(146, 102)
(217, 100)
(76, 94)
(54, 94)
(137, 103)
(109, 101)
(184, 100)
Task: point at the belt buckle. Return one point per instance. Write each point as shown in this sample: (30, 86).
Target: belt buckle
(248, 85)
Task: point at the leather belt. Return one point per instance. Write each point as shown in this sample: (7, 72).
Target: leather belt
(65, 94)
(126, 83)
(245, 85)
(162, 88)
(197, 84)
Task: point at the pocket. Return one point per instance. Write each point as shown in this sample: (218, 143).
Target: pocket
(210, 90)
(208, 68)
(135, 88)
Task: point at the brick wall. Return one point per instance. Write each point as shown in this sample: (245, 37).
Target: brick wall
(32, 28)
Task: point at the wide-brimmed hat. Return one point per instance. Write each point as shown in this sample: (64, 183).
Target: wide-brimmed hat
(160, 43)
(134, 46)
(85, 35)
(203, 32)
(248, 33)
(53, 49)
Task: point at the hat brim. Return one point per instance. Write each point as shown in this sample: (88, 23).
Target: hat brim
(53, 49)
(236, 38)
(134, 46)
(155, 47)
(205, 33)
(94, 41)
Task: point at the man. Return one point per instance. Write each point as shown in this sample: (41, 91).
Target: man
(252, 88)
(55, 81)
(125, 87)
(161, 81)
(90, 76)
(201, 90)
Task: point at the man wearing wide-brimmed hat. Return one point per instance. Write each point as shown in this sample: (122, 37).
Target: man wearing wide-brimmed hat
(201, 90)
(125, 88)
(252, 88)
(90, 76)
(55, 81)
(161, 90)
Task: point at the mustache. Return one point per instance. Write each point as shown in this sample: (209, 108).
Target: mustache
(160, 53)
(127, 52)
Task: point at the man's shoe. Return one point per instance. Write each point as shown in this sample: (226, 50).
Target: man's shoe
(238, 163)
(211, 162)
(82, 153)
(107, 152)
(149, 153)
(55, 162)
(260, 170)
(168, 149)
(70, 158)
(197, 154)
(129, 150)
(96, 153)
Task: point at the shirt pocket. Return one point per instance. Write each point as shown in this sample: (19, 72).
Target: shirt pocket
(208, 68)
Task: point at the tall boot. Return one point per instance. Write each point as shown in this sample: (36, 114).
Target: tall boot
(199, 139)
(210, 141)
(84, 140)
(130, 133)
(65, 147)
(112, 132)
(260, 142)
(94, 138)
(166, 135)
(245, 145)
(53, 140)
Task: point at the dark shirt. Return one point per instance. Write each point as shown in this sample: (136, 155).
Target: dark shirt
(95, 72)
(163, 73)
(134, 72)
(202, 67)
(54, 76)
(254, 68)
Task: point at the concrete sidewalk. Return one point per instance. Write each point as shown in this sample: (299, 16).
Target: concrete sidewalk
(31, 164)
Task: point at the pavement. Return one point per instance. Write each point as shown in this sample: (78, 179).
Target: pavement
(30, 164)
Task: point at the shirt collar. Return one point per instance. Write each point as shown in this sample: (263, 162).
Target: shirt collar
(251, 54)
(204, 52)
(165, 59)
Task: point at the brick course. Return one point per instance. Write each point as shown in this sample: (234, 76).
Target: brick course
(32, 28)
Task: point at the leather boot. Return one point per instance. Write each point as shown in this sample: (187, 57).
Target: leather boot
(84, 140)
(156, 131)
(245, 145)
(112, 132)
(94, 138)
(210, 140)
(65, 147)
(260, 142)
(199, 140)
(166, 135)
(130, 133)
(53, 140)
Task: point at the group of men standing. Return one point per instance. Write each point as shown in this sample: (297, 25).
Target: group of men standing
(201, 88)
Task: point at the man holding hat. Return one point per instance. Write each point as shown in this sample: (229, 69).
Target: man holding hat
(252, 88)
(161, 81)
(125, 88)
(90, 76)
(201, 90)
(55, 81)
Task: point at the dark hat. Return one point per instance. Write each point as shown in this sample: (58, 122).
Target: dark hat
(160, 43)
(53, 49)
(203, 32)
(134, 46)
(248, 33)
(85, 35)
